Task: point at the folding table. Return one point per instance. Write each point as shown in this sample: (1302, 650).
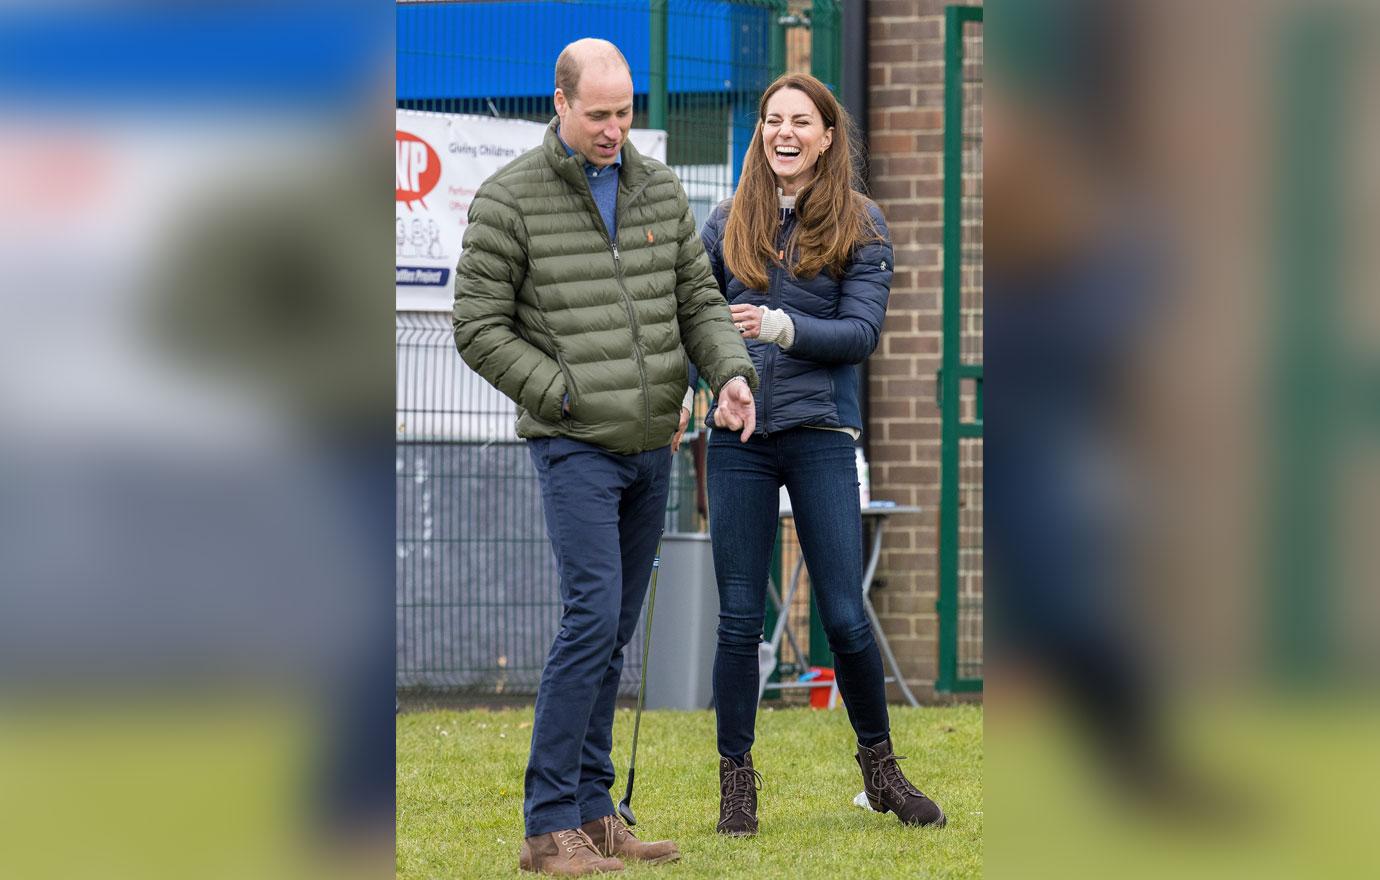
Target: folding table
(876, 516)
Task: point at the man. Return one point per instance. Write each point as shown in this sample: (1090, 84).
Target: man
(583, 293)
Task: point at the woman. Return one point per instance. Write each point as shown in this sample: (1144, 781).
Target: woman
(805, 264)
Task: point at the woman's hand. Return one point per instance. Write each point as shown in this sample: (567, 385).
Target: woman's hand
(747, 319)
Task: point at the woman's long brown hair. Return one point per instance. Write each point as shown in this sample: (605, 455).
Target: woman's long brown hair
(831, 215)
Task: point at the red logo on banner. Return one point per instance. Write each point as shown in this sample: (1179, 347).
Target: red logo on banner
(418, 168)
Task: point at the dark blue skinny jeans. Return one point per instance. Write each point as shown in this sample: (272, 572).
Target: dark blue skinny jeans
(818, 470)
(604, 514)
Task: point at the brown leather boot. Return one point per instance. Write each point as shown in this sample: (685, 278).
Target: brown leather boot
(568, 853)
(738, 787)
(613, 838)
(888, 790)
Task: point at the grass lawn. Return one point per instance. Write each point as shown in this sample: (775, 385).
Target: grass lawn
(460, 795)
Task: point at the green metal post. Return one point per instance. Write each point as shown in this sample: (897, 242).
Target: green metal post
(779, 10)
(658, 81)
(824, 42)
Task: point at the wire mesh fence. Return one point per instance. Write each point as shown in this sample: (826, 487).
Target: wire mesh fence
(498, 59)
(477, 600)
(477, 594)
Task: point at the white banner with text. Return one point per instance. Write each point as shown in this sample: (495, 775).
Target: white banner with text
(442, 159)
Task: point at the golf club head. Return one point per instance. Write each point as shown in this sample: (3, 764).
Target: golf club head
(626, 814)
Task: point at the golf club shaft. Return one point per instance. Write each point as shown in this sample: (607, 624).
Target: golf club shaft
(642, 685)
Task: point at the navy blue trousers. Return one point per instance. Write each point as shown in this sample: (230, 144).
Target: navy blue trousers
(818, 470)
(604, 515)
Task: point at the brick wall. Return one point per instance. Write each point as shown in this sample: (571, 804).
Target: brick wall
(907, 141)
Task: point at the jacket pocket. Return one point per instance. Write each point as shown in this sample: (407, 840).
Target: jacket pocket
(569, 385)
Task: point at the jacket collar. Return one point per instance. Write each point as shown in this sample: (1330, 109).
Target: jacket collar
(571, 168)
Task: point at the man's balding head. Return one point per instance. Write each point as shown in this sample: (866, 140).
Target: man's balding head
(594, 100)
(582, 54)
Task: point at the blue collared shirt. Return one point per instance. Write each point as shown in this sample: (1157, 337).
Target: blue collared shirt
(603, 186)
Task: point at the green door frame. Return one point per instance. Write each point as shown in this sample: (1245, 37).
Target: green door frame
(953, 372)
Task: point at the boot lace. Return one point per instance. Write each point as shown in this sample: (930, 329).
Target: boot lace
(574, 839)
(738, 786)
(886, 773)
(617, 830)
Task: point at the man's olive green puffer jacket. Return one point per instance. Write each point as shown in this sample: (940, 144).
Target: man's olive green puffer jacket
(547, 306)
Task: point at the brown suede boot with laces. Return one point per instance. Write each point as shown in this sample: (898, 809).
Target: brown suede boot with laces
(613, 838)
(738, 787)
(888, 790)
(568, 853)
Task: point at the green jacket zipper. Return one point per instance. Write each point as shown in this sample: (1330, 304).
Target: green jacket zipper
(628, 304)
(637, 345)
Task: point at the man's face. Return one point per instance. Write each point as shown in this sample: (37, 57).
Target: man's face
(596, 121)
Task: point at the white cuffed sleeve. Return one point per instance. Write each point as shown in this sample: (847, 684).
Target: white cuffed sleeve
(777, 327)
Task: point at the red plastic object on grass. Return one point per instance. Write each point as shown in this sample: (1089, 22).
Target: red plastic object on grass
(819, 695)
